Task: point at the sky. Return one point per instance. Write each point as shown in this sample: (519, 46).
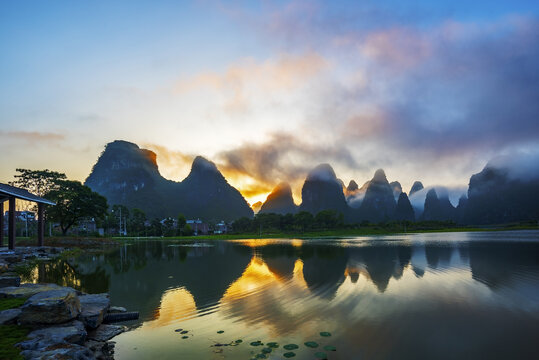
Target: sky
(426, 90)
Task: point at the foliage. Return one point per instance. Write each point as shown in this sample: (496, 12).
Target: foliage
(137, 221)
(38, 182)
(74, 202)
(9, 336)
(181, 223)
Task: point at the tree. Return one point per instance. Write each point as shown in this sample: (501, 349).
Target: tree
(38, 182)
(181, 223)
(328, 219)
(74, 202)
(137, 221)
(304, 220)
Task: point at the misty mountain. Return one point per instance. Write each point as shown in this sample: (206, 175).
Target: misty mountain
(128, 175)
(378, 203)
(323, 191)
(501, 194)
(438, 208)
(404, 210)
(417, 186)
(397, 189)
(280, 201)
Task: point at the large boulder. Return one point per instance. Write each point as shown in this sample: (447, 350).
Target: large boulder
(9, 280)
(93, 308)
(9, 316)
(60, 351)
(51, 307)
(41, 339)
(26, 290)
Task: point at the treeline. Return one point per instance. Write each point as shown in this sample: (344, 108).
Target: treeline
(304, 221)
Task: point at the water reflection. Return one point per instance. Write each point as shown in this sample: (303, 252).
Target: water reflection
(470, 295)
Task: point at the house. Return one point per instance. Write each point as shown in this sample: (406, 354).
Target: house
(199, 227)
(221, 228)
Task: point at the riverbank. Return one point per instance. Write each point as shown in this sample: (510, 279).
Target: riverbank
(48, 320)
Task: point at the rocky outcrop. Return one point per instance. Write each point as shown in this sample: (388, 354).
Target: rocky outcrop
(94, 307)
(397, 189)
(51, 307)
(438, 209)
(280, 201)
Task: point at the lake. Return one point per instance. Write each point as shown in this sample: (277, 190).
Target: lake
(419, 296)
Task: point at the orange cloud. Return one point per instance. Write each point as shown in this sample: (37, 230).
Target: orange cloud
(174, 165)
(32, 136)
(247, 77)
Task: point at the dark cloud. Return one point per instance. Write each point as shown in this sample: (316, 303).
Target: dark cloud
(284, 157)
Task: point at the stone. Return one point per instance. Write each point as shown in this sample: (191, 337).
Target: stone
(116, 309)
(50, 307)
(73, 333)
(26, 290)
(93, 308)
(60, 352)
(3, 266)
(9, 316)
(103, 350)
(105, 332)
(8, 280)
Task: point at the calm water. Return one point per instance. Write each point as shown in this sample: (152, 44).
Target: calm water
(423, 296)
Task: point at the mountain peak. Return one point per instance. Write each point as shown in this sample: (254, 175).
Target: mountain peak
(379, 176)
(201, 164)
(417, 186)
(322, 172)
(280, 200)
(352, 186)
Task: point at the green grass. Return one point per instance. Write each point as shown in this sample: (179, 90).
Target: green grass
(9, 336)
(10, 303)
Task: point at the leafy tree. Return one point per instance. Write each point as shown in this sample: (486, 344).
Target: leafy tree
(38, 182)
(74, 202)
(156, 228)
(328, 219)
(304, 220)
(243, 224)
(181, 223)
(137, 221)
(168, 227)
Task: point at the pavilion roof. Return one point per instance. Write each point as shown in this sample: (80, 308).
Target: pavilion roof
(7, 190)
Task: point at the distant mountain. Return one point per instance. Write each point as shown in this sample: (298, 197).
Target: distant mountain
(397, 189)
(497, 195)
(352, 186)
(418, 185)
(355, 195)
(322, 191)
(280, 201)
(379, 203)
(205, 193)
(404, 210)
(438, 208)
(128, 175)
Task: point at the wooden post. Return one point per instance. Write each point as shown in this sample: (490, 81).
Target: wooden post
(1, 223)
(40, 224)
(11, 223)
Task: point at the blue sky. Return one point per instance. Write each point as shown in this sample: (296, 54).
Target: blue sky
(268, 90)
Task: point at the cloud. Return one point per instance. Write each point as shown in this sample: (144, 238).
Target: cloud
(247, 78)
(173, 165)
(31, 137)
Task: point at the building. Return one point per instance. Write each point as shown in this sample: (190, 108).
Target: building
(198, 226)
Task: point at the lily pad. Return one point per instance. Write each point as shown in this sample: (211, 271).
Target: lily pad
(330, 348)
(239, 341)
(256, 343)
(261, 356)
(325, 334)
(291, 347)
(311, 344)
(220, 331)
(185, 337)
(321, 355)
(289, 354)
(272, 345)
(266, 350)
(178, 330)
(184, 332)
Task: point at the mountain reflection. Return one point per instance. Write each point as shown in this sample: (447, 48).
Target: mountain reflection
(167, 281)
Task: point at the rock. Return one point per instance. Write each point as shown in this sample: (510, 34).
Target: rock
(3, 266)
(26, 290)
(12, 258)
(105, 332)
(93, 308)
(73, 333)
(116, 309)
(8, 280)
(59, 352)
(50, 307)
(102, 350)
(9, 316)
